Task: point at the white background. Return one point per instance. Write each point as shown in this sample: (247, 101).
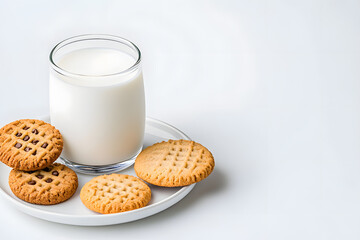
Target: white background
(272, 88)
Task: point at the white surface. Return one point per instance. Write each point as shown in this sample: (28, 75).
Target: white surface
(74, 212)
(270, 87)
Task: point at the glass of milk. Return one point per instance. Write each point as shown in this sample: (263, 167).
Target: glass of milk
(97, 102)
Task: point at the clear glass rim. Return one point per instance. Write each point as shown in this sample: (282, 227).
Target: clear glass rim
(87, 37)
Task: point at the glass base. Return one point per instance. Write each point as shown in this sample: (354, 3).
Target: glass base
(101, 169)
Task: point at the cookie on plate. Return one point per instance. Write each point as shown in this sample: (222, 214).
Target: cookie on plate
(174, 163)
(115, 193)
(51, 185)
(29, 144)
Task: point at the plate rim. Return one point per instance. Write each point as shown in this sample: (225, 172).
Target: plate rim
(36, 212)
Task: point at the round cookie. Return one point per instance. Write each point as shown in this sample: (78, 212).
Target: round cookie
(51, 185)
(115, 193)
(174, 163)
(29, 144)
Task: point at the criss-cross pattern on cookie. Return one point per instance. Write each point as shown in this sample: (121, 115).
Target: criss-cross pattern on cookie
(39, 181)
(115, 193)
(50, 185)
(29, 144)
(174, 163)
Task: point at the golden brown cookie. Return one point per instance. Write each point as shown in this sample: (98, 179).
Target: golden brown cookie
(174, 163)
(29, 144)
(51, 185)
(115, 193)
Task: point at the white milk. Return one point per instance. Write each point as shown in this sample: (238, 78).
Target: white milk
(100, 118)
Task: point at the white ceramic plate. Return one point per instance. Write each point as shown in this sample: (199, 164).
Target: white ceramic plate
(75, 213)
